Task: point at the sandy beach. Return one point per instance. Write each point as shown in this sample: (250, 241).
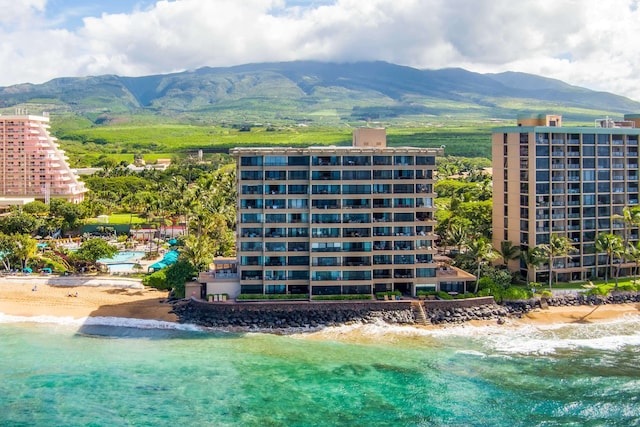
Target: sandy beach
(580, 314)
(99, 296)
(120, 297)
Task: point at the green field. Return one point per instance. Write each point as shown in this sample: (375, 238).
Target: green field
(121, 218)
(86, 143)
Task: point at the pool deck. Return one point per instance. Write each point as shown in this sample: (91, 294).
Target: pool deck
(119, 279)
(145, 263)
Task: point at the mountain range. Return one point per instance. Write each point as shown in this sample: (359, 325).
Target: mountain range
(317, 91)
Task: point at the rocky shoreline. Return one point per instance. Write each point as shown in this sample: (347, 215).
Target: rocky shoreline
(521, 307)
(319, 315)
(285, 316)
(494, 311)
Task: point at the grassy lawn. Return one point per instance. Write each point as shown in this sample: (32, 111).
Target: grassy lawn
(119, 218)
(581, 285)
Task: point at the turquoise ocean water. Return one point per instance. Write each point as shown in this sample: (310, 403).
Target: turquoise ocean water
(120, 372)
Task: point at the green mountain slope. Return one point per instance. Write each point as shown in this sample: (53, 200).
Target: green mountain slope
(307, 90)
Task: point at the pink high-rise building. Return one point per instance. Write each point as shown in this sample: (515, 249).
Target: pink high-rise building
(32, 166)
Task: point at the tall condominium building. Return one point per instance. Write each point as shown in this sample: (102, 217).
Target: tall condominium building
(31, 163)
(336, 220)
(570, 181)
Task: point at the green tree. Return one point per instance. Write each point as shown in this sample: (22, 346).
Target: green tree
(93, 206)
(508, 252)
(198, 250)
(630, 218)
(8, 248)
(70, 213)
(633, 254)
(19, 222)
(93, 249)
(479, 215)
(457, 237)
(533, 258)
(25, 249)
(480, 250)
(612, 245)
(558, 246)
(36, 208)
(178, 274)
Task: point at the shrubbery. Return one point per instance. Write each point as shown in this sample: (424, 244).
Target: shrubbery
(156, 280)
(342, 297)
(381, 295)
(273, 296)
(443, 295)
(629, 287)
(464, 296)
(606, 288)
(513, 293)
(499, 292)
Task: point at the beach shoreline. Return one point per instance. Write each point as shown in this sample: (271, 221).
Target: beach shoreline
(78, 297)
(108, 296)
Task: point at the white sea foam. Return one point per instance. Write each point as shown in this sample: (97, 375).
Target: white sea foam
(70, 321)
(501, 340)
(124, 322)
(472, 353)
(548, 339)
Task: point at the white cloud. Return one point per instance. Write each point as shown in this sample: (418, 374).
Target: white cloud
(584, 42)
(16, 14)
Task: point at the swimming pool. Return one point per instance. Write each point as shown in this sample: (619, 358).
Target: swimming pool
(123, 261)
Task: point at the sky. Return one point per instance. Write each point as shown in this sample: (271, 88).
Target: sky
(588, 43)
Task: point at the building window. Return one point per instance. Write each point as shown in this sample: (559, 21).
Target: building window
(251, 161)
(250, 175)
(293, 175)
(275, 160)
(298, 160)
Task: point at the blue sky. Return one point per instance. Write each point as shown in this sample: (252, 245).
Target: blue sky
(589, 43)
(69, 13)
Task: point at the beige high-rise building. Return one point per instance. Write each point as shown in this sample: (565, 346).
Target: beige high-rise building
(571, 181)
(32, 166)
(336, 220)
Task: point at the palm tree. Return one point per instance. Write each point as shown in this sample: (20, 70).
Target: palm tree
(558, 246)
(457, 236)
(508, 252)
(633, 254)
(533, 257)
(198, 251)
(630, 218)
(612, 245)
(480, 250)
